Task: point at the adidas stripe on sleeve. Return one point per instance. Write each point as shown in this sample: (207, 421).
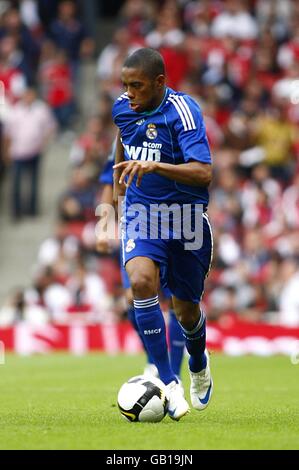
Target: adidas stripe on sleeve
(190, 129)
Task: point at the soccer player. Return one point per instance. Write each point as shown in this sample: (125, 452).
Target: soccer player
(163, 156)
(175, 336)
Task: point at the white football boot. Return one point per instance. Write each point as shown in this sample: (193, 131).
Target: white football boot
(177, 405)
(181, 386)
(201, 387)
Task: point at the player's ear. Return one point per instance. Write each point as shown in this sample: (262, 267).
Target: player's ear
(160, 81)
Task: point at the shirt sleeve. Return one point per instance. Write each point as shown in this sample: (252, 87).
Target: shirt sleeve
(190, 131)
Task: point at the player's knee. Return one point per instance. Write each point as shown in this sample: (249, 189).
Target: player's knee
(142, 285)
(187, 317)
(187, 324)
(185, 321)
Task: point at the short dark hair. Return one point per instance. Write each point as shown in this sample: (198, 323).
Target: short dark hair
(148, 60)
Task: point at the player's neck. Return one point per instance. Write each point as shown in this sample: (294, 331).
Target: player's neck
(158, 102)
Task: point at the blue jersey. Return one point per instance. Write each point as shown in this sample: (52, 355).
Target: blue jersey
(173, 133)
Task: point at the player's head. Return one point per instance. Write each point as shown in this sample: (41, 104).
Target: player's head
(143, 76)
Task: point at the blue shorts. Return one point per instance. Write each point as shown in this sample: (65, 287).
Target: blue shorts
(163, 280)
(184, 271)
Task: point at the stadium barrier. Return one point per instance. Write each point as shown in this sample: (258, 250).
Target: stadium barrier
(233, 337)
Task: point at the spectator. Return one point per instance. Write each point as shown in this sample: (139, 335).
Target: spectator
(290, 203)
(11, 75)
(28, 128)
(12, 25)
(168, 30)
(198, 16)
(47, 10)
(111, 58)
(277, 136)
(30, 16)
(234, 21)
(56, 83)
(69, 34)
(93, 146)
(16, 310)
(104, 107)
(288, 53)
(88, 292)
(286, 90)
(78, 203)
(59, 250)
(138, 16)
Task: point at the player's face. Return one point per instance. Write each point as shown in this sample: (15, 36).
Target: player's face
(145, 94)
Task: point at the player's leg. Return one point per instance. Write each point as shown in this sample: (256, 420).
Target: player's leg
(144, 278)
(150, 368)
(193, 323)
(176, 343)
(187, 272)
(144, 275)
(176, 340)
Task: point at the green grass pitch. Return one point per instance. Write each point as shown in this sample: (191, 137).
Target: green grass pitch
(65, 402)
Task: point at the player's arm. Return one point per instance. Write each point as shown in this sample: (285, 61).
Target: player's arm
(103, 244)
(118, 186)
(193, 173)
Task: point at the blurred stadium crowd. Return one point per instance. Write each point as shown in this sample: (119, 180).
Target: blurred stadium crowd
(240, 61)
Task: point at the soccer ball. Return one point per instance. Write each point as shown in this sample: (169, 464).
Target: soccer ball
(143, 399)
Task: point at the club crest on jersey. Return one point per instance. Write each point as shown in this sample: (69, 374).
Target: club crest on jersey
(130, 245)
(151, 132)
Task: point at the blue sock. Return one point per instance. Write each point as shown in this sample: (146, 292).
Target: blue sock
(151, 325)
(196, 344)
(176, 343)
(132, 318)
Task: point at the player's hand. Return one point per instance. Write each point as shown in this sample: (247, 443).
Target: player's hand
(134, 168)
